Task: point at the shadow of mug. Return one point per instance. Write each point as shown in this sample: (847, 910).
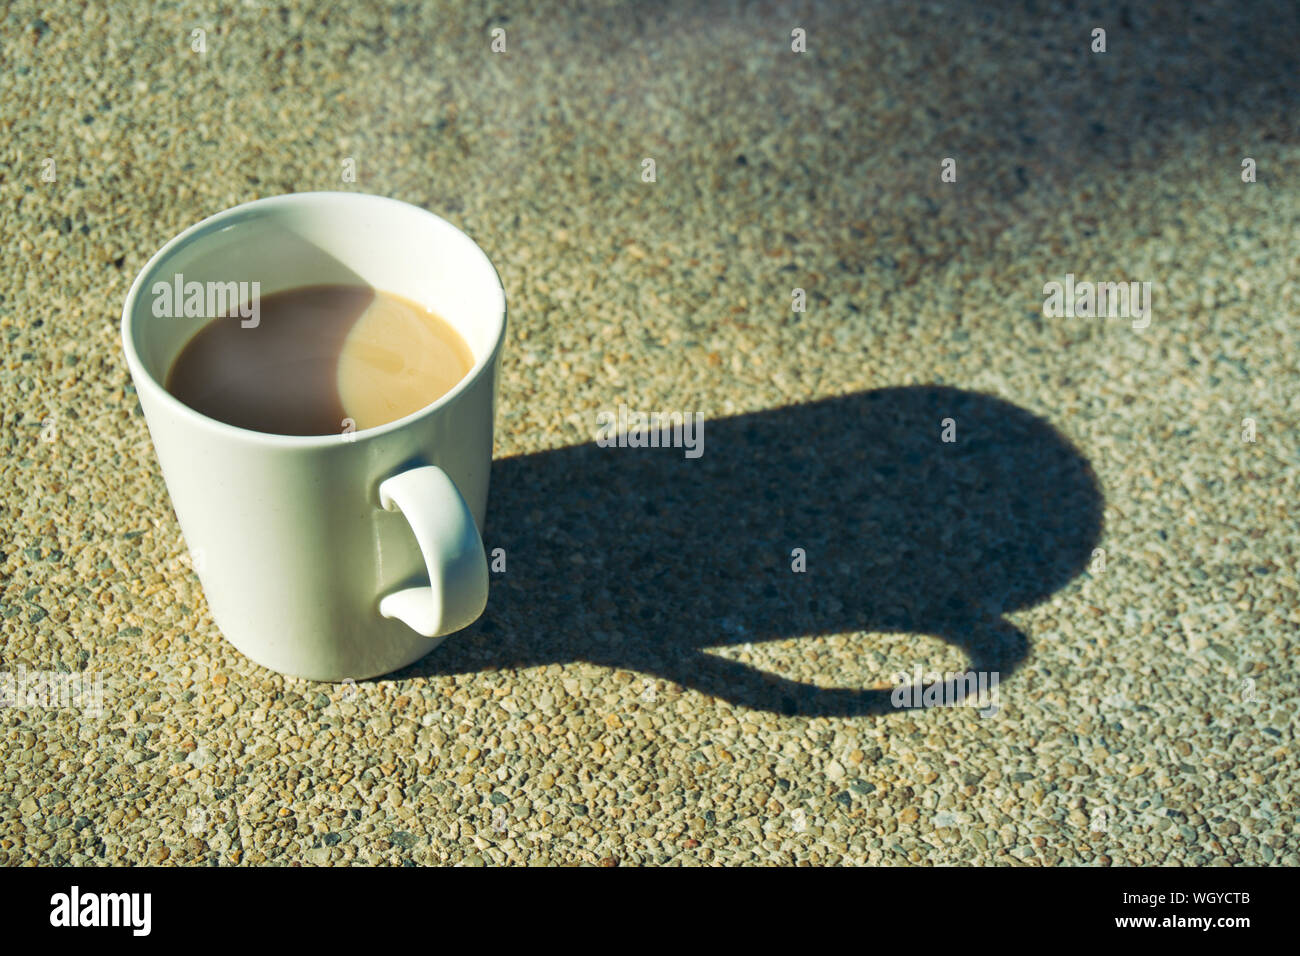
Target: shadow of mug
(642, 558)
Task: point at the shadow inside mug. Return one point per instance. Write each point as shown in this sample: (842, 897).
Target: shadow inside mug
(281, 375)
(642, 558)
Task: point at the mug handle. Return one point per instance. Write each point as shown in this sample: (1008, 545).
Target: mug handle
(452, 549)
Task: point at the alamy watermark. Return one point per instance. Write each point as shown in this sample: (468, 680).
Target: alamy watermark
(1103, 300)
(630, 429)
(968, 689)
(50, 690)
(179, 299)
(77, 908)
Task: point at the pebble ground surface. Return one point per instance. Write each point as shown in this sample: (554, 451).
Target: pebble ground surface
(653, 682)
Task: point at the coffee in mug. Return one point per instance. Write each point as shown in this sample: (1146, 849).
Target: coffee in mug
(320, 360)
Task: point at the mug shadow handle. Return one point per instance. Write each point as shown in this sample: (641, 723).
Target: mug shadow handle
(993, 646)
(452, 548)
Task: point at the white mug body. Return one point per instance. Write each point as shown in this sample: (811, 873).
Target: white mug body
(288, 534)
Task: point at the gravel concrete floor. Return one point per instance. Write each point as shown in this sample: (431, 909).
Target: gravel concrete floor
(653, 682)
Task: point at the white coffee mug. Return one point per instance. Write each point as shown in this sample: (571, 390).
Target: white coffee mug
(332, 556)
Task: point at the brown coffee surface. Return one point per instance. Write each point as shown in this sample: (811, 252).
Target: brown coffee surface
(319, 356)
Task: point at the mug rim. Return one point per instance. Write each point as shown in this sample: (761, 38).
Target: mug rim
(141, 375)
